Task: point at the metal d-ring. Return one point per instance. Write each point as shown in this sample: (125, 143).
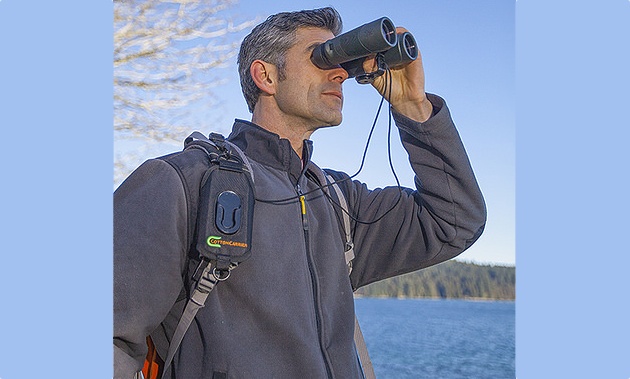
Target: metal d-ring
(221, 275)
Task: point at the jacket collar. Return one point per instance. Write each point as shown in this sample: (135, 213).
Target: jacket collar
(269, 149)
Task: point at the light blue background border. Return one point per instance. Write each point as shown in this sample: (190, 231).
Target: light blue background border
(572, 166)
(56, 118)
(572, 204)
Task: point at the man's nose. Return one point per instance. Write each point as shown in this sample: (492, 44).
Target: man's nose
(338, 74)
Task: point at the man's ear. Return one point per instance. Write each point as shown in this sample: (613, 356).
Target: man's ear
(264, 75)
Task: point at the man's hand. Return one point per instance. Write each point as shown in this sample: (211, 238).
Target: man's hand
(408, 96)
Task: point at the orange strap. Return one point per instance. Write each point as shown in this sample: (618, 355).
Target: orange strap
(152, 363)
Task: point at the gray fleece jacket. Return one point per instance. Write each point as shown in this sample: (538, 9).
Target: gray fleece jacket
(288, 311)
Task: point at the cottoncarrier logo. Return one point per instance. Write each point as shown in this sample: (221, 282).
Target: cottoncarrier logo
(214, 241)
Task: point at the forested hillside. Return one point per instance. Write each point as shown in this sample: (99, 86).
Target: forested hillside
(451, 279)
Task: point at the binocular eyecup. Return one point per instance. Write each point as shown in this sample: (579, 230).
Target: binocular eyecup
(350, 49)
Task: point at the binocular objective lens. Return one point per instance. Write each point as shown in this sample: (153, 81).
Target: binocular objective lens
(389, 31)
(410, 46)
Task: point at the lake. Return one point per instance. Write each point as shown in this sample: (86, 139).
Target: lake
(439, 339)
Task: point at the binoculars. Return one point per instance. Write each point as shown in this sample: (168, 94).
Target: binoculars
(350, 49)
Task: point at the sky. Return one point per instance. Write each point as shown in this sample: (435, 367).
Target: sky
(468, 56)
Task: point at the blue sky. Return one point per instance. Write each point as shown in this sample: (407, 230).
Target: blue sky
(468, 54)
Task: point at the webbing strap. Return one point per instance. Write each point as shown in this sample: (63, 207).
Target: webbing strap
(248, 165)
(218, 137)
(206, 283)
(359, 341)
(364, 356)
(349, 252)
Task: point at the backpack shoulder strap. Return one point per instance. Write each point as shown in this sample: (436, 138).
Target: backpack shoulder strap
(207, 279)
(359, 341)
(345, 215)
(218, 141)
(214, 264)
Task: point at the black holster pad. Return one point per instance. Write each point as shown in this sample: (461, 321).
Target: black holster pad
(225, 215)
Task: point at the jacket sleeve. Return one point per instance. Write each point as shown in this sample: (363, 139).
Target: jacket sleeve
(435, 222)
(150, 232)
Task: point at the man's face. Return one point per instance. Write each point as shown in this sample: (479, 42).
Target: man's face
(311, 96)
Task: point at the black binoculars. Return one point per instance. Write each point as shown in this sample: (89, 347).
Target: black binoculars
(350, 49)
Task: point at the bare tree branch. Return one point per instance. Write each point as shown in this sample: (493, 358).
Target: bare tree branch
(165, 57)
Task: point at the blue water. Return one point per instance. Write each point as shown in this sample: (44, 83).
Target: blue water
(439, 339)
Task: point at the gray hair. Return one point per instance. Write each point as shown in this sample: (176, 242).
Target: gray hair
(270, 40)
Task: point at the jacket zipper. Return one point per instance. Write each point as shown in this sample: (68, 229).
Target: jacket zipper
(311, 270)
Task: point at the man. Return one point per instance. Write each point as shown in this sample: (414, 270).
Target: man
(288, 311)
